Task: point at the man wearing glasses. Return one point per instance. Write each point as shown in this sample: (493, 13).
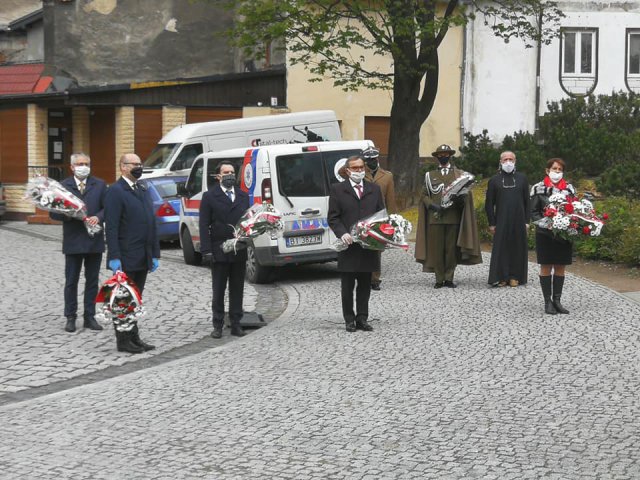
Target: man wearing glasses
(350, 201)
(132, 240)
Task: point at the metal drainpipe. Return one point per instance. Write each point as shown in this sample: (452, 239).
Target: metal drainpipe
(538, 60)
(462, 82)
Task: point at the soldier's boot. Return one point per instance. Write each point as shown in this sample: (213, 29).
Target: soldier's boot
(545, 284)
(558, 283)
(136, 340)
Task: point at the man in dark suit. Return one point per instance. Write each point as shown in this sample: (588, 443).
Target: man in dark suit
(220, 209)
(78, 246)
(132, 240)
(350, 201)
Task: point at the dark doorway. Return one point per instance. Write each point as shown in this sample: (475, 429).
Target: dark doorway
(59, 143)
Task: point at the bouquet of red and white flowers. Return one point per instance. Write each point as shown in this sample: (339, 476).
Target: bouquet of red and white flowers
(122, 302)
(571, 218)
(258, 219)
(47, 194)
(379, 232)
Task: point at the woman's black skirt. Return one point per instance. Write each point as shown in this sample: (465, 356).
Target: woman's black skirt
(551, 250)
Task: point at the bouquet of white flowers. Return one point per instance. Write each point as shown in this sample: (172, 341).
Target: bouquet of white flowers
(379, 232)
(47, 194)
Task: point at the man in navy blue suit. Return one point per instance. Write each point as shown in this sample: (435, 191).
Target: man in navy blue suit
(220, 209)
(132, 240)
(78, 246)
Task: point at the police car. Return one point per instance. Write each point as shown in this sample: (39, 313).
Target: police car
(295, 178)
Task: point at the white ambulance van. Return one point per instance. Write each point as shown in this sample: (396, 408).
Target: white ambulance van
(295, 178)
(177, 150)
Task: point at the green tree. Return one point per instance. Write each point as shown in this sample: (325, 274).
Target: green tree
(323, 35)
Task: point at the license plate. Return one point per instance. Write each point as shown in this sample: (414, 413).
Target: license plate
(303, 240)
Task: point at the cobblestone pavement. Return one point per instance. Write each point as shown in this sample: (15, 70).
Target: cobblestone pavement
(38, 353)
(452, 384)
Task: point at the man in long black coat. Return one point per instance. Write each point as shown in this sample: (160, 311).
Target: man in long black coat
(220, 209)
(132, 239)
(78, 246)
(350, 201)
(507, 209)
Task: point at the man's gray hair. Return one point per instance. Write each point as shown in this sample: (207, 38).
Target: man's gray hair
(507, 152)
(76, 156)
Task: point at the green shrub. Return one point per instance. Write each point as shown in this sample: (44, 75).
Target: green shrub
(479, 156)
(592, 134)
(621, 180)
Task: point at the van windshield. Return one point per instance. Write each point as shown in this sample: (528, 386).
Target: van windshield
(306, 174)
(160, 156)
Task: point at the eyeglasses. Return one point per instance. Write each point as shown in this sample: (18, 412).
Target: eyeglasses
(134, 164)
(356, 169)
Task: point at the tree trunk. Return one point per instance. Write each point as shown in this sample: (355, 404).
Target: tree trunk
(407, 117)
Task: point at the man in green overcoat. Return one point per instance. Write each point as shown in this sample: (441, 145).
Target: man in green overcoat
(445, 237)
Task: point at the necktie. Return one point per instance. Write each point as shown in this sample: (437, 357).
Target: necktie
(359, 190)
(81, 187)
(230, 194)
(445, 170)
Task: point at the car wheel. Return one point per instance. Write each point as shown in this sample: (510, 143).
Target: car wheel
(191, 257)
(256, 273)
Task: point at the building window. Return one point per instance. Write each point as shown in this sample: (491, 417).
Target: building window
(632, 66)
(633, 52)
(578, 52)
(578, 60)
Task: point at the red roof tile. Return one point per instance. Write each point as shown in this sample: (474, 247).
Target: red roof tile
(22, 79)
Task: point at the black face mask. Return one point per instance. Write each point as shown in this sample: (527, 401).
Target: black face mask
(443, 160)
(228, 180)
(372, 164)
(136, 172)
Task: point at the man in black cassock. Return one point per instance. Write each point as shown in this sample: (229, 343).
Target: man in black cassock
(507, 208)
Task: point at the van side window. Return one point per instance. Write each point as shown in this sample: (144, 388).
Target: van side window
(301, 175)
(186, 156)
(194, 184)
(331, 158)
(212, 168)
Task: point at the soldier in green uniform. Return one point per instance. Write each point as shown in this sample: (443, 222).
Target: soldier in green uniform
(445, 237)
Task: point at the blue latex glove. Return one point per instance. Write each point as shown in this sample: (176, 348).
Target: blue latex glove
(155, 263)
(115, 265)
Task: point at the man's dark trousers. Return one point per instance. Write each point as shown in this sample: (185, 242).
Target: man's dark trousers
(363, 292)
(72, 266)
(139, 277)
(234, 273)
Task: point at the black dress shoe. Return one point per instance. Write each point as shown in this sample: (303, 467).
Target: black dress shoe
(449, 284)
(136, 340)
(91, 324)
(217, 333)
(364, 326)
(238, 332)
(71, 324)
(350, 326)
(375, 286)
(439, 285)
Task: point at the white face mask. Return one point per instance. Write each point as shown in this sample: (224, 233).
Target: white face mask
(356, 176)
(555, 176)
(82, 171)
(508, 167)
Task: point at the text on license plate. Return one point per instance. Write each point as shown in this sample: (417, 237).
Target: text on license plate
(303, 240)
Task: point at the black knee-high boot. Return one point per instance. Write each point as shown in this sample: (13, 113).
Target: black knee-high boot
(558, 282)
(545, 284)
